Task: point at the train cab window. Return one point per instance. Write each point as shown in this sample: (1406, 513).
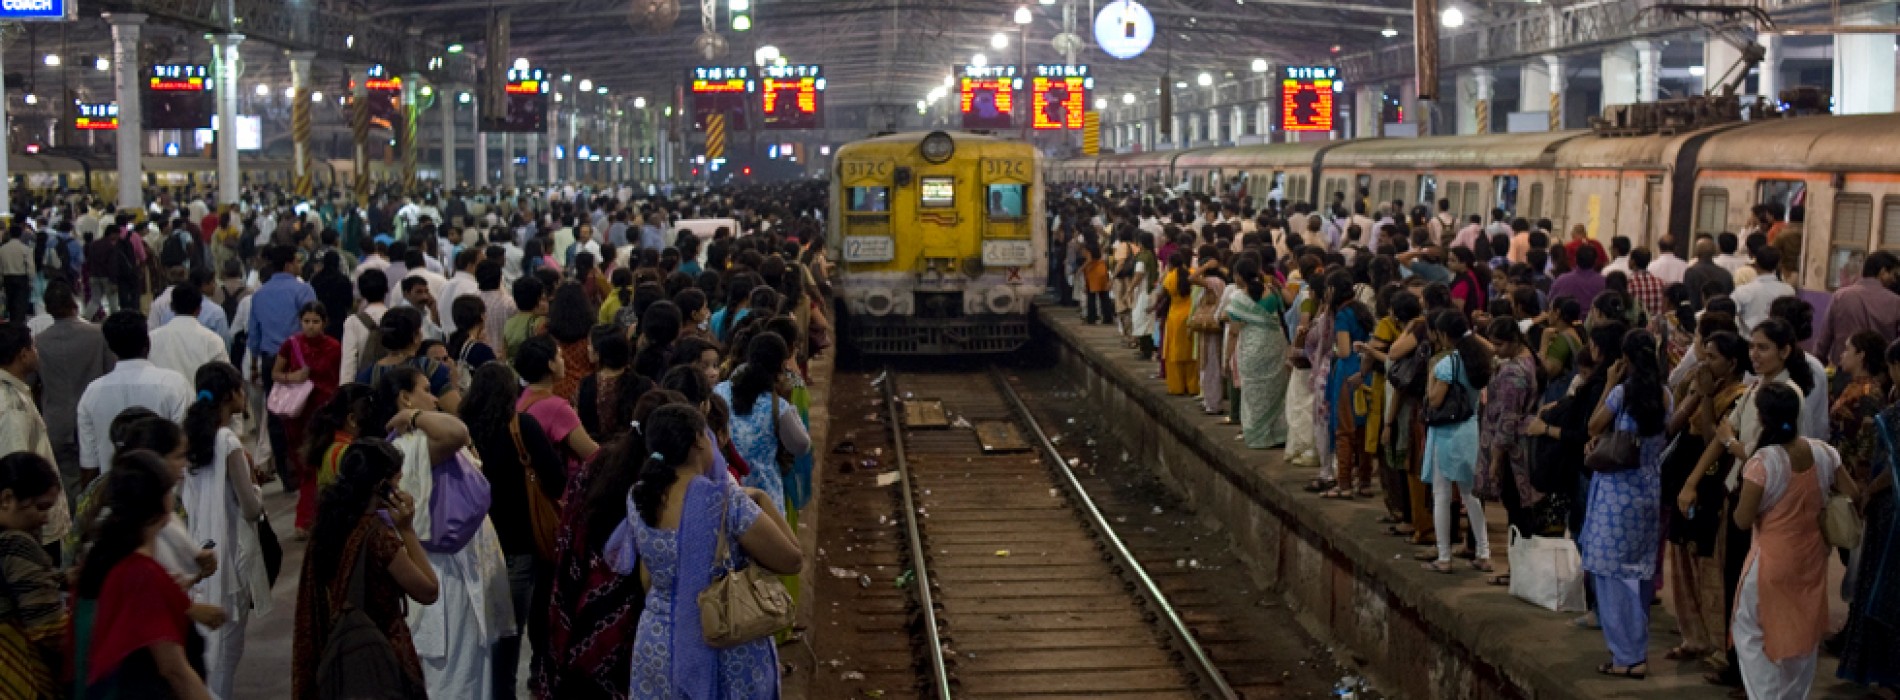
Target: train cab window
(938, 192)
(1890, 223)
(1428, 191)
(1711, 211)
(1504, 188)
(1536, 208)
(1853, 223)
(1783, 195)
(868, 199)
(1006, 201)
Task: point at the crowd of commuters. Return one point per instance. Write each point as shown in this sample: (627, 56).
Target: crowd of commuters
(1689, 416)
(503, 419)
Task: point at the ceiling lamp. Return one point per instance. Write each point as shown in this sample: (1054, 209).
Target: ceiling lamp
(1204, 79)
(1452, 17)
(586, 85)
(1101, 103)
(52, 59)
(979, 60)
(1128, 98)
(765, 55)
(639, 103)
(521, 64)
(999, 41)
(102, 64)
(1389, 31)
(1260, 65)
(1023, 16)
(1124, 29)
(263, 90)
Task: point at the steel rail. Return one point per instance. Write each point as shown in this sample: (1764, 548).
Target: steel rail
(1176, 626)
(922, 580)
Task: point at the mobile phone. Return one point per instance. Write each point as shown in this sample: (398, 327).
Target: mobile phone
(210, 544)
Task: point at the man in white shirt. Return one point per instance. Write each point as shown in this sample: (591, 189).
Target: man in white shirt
(1667, 267)
(462, 285)
(371, 289)
(416, 295)
(184, 344)
(1619, 256)
(21, 428)
(134, 381)
(1727, 243)
(1753, 300)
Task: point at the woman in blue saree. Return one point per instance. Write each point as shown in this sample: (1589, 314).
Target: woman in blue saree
(676, 516)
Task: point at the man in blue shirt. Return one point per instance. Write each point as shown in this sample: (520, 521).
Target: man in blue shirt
(275, 316)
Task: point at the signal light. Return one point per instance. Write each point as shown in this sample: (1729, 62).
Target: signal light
(740, 14)
(747, 170)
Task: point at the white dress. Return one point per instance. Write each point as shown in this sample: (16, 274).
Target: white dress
(241, 585)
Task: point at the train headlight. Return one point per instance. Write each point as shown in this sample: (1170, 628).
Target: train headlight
(879, 302)
(938, 147)
(1001, 300)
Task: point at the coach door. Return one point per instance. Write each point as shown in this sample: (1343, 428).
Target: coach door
(1007, 186)
(866, 186)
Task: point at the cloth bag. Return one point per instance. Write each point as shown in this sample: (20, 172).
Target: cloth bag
(1547, 572)
(288, 400)
(458, 503)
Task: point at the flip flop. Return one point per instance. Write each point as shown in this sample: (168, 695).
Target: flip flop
(1609, 669)
(1394, 531)
(1483, 565)
(1683, 653)
(1337, 494)
(1320, 485)
(1498, 580)
(1440, 567)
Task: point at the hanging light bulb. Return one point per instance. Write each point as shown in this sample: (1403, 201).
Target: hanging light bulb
(521, 64)
(1452, 17)
(1128, 98)
(1389, 31)
(999, 41)
(586, 85)
(1260, 65)
(1204, 79)
(979, 60)
(263, 90)
(1023, 16)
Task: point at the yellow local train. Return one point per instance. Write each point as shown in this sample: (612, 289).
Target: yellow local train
(940, 242)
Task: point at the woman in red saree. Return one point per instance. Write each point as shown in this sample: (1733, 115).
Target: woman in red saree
(314, 357)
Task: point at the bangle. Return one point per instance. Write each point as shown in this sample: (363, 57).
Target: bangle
(413, 417)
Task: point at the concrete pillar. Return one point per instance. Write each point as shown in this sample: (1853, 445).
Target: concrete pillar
(1768, 81)
(1648, 70)
(573, 155)
(1555, 65)
(300, 89)
(554, 142)
(1263, 120)
(1480, 85)
(1718, 57)
(507, 160)
(445, 102)
(1619, 68)
(613, 168)
(481, 141)
(1174, 128)
(1864, 63)
(1533, 87)
(125, 80)
(1369, 112)
(1237, 124)
(531, 173)
(1212, 131)
(224, 49)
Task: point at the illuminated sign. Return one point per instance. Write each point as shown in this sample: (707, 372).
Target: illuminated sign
(525, 104)
(179, 78)
(1060, 95)
(1306, 98)
(793, 97)
(720, 90)
(97, 116)
(986, 95)
(37, 10)
(1124, 29)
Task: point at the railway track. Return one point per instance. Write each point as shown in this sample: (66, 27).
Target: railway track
(1021, 587)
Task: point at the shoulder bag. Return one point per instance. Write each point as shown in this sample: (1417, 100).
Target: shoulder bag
(1206, 317)
(1457, 407)
(458, 503)
(544, 516)
(744, 604)
(1615, 451)
(1407, 374)
(288, 400)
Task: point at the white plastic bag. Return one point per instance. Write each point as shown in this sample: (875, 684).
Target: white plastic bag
(1547, 572)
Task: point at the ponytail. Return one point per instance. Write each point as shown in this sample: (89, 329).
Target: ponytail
(671, 433)
(217, 382)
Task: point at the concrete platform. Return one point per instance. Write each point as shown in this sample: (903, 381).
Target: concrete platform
(1417, 634)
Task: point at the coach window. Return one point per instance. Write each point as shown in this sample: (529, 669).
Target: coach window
(1473, 205)
(1006, 201)
(1781, 195)
(1890, 223)
(1536, 208)
(1853, 222)
(1711, 211)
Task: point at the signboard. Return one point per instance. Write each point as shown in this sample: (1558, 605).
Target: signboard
(1060, 95)
(177, 96)
(525, 101)
(1008, 253)
(986, 95)
(97, 116)
(1306, 98)
(38, 10)
(793, 97)
(869, 248)
(249, 133)
(720, 90)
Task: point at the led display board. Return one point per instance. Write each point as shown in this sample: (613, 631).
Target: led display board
(986, 95)
(792, 96)
(385, 97)
(38, 10)
(97, 116)
(1059, 95)
(720, 90)
(1306, 98)
(177, 96)
(525, 98)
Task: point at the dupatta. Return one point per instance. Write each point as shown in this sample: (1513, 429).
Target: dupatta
(695, 666)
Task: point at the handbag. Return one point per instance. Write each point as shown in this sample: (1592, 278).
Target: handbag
(1206, 317)
(1406, 374)
(544, 516)
(271, 549)
(1547, 572)
(1614, 451)
(1457, 406)
(744, 604)
(458, 503)
(1840, 524)
(288, 400)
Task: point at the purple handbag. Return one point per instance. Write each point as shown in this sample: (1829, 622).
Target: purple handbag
(458, 503)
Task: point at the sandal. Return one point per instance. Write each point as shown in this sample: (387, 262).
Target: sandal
(1394, 531)
(1426, 555)
(1390, 519)
(1320, 485)
(1609, 668)
(1684, 653)
(1364, 492)
(1438, 566)
(1337, 494)
(1483, 565)
(1498, 580)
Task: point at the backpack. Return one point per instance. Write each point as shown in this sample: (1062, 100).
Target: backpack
(358, 661)
(373, 350)
(60, 252)
(177, 250)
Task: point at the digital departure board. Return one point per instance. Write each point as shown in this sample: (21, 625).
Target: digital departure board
(986, 95)
(97, 116)
(792, 97)
(1060, 95)
(177, 96)
(1306, 98)
(720, 90)
(525, 102)
(385, 96)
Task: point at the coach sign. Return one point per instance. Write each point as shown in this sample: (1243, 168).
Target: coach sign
(37, 10)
